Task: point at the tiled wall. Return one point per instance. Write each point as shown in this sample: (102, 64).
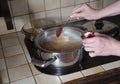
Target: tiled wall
(23, 11)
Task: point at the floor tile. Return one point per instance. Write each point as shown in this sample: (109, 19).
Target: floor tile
(111, 65)
(13, 50)
(16, 60)
(2, 64)
(29, 80)
(71, 76)
(19, 72)
(4, 76)
(47, 79)
(92, 71)
(9, 42)
(34, 70)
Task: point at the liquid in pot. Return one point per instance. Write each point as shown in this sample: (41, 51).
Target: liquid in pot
(61, 44)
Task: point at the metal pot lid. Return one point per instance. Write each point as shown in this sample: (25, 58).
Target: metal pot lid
(102, 26)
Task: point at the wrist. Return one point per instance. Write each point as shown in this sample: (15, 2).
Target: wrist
(99, 14)
(116, 48)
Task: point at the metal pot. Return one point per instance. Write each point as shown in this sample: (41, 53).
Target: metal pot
(62, 51)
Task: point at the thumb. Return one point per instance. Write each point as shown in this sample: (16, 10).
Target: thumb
(77, 15)
(92, 54)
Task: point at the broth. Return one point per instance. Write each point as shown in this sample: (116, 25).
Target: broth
(61, 44)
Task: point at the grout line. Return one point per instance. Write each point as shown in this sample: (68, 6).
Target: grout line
(21, 79)
(82, 74)
(60, 80)
(27, 59)
(5, 62)
(61, 13)
(102, 67)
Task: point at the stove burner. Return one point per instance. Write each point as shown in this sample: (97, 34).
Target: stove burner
(87, 61)
(99, 24)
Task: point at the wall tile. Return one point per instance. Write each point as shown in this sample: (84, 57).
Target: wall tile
(20, 21)
(52, 4)
(36, 5)
(66, 12)
(38, 15)
(65, 3)
(3, 27)
(54, 15)
(107, 2)
(80, 1)
(96, 4)
(40, 19)
(19, 7)
(10, 8)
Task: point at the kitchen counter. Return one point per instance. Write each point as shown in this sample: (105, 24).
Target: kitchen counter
(107, 77)
(16, 66)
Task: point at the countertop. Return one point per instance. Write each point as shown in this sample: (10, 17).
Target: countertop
(16, 66)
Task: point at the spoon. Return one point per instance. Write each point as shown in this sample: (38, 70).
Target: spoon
(60, 29)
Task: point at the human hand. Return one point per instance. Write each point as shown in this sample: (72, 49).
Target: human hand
(101, 45)
(86, 12)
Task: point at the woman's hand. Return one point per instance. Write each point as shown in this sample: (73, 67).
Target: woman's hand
(86, 12)
(101, 45)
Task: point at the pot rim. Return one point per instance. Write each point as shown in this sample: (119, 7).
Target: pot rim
(45, 50)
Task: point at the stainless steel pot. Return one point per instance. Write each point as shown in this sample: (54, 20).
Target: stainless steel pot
(60, 52)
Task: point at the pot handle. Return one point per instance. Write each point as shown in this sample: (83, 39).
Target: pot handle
(41, 63)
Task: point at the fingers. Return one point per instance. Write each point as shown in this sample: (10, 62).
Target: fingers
(96, 33)
(77, 15)
(78, 11)
(89, 49)
(88, 40)
(92, 54)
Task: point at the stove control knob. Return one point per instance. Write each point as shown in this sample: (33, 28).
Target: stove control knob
(99, 24)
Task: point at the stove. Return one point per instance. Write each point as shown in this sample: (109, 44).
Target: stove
(87, 61)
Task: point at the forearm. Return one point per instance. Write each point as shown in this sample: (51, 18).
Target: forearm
(116, 48)
(111, 10)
